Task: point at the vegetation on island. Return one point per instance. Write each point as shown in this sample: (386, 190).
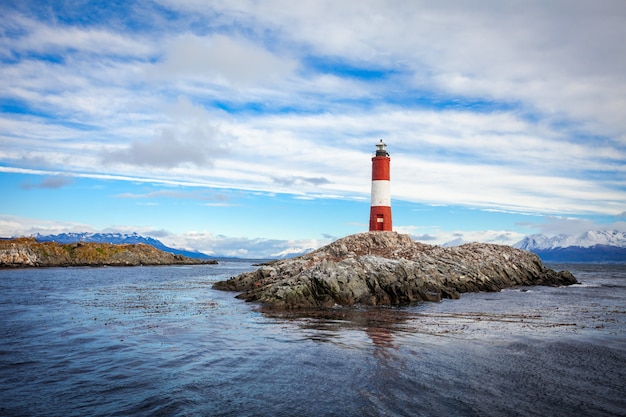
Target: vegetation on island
(28, 252)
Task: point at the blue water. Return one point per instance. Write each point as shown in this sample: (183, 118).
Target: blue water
(159, 341)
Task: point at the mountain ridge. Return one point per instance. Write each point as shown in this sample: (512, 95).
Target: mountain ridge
(586, 239)
(589, 246)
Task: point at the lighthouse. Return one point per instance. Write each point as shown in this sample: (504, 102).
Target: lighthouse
(380, 211)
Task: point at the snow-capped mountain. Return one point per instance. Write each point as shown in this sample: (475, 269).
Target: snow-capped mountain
(591, 246)
(116, 238)
(583, 240)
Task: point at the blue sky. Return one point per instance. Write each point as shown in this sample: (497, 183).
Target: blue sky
(246, 128)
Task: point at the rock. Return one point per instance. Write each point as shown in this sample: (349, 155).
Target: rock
(27, 252)
(388, 268)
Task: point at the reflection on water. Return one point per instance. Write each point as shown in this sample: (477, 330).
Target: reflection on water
(336, 325)
(519, 312)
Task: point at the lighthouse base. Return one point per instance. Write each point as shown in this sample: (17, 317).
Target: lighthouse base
(380, 219)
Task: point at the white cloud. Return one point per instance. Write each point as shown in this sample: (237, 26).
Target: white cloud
(561, 58)
(244, 247)
(451, 157)
(515, 107)
(190, 138)
(168, 149)
(554, 225)
(11, 226)
(222, 59)
(58, 38)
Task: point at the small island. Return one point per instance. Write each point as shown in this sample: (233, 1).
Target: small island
(388, 268)
(28, 252)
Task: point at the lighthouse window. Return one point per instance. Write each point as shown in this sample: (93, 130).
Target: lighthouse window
(380, 218)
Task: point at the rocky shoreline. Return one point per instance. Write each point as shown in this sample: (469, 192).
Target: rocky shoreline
(388, 268)
(28, 252)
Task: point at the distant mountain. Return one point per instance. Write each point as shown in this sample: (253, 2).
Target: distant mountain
(117, 238)
(456, 242)
(591, 246)
(584, 240)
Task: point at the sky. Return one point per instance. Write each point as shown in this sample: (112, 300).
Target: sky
(246, 128)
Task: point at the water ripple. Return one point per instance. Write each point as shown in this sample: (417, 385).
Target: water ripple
(160, 341)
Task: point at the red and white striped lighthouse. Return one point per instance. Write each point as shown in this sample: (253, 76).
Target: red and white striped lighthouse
(380, 211)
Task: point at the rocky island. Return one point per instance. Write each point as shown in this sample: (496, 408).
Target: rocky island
(388, 268)
(28, 252)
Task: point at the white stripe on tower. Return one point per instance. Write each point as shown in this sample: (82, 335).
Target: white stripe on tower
(381, 193)
(380, 210)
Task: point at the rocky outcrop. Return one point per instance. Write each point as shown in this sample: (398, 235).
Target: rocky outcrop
(387, 268)
(27, 252)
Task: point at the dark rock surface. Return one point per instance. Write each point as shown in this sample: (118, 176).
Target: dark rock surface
(27, 252)
(387, 268)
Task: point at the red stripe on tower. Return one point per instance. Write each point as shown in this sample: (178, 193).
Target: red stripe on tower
(380, 210)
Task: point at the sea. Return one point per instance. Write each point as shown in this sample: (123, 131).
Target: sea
(159, 341)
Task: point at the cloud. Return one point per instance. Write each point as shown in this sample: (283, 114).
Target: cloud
(33, 35)
(224, 60)
(15, 226)
(219, 198)
(158, 234)
(440, 236)
(296, 180)
(554, 225)
(243, 247)
(170, 149)
(190, 139)
(158, 194)
(50, 182)
(425, 238)
(515, 108)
